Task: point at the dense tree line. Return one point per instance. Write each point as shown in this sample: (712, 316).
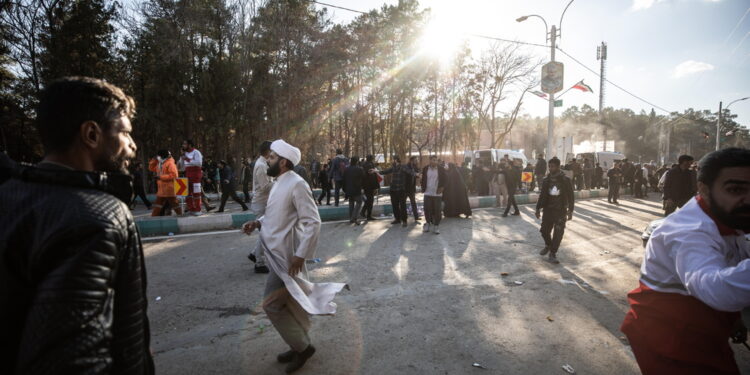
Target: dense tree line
(230, 73)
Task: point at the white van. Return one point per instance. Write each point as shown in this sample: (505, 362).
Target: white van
(606, 159)
(494, 155)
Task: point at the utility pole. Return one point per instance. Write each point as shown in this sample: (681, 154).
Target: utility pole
(552, 80)
(551, 151)
(718, 128)
(601, 55)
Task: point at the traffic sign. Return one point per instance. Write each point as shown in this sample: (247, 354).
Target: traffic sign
(558, 103)
(180, 186)
(552, 77)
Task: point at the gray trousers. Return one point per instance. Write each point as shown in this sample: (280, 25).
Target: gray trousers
(291, 321)
(258, 209)
(433, 209)
(355, 205)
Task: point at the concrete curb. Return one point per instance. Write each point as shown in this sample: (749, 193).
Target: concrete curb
(316, 193)
(161, 226)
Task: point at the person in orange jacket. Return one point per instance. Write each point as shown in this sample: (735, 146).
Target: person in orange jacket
(166, 172)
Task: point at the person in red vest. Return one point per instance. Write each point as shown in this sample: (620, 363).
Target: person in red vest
(695, 276)
(193, 160)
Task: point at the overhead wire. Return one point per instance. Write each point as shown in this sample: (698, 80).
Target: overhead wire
(612, 83)
(535, 45)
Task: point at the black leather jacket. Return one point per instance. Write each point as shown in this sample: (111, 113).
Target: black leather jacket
(72, 275)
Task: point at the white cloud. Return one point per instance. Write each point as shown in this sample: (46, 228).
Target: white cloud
(643, 4)
(689, 67)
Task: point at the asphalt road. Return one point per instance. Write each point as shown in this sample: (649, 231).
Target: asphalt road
(419, 303)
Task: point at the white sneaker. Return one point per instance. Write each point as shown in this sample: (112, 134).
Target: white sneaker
(426, 227)
(436, 229)
(196, 213)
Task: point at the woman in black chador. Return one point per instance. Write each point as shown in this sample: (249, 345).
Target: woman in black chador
(455, 195)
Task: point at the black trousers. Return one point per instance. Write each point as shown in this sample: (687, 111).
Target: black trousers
(511, 200)
(398, 202)
(338, 186)
(413, 200)
(553, 220)
(325, 191)
(139, 192)
(228, 191)
(245, 191)
(614, 192)
(638, 189)
(369, 201)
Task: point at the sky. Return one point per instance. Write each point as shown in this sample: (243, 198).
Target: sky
(675, 54)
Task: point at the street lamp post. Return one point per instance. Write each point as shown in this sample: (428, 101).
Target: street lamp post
(718, 121)
(553, 34)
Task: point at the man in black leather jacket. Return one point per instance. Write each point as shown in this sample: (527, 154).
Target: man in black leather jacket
(72, 273)
(557, 200)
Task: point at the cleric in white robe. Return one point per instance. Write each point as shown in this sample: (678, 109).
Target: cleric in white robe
(289, 232)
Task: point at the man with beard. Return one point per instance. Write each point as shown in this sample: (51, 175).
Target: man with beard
(695, 276)
(262, 184)
(289, 234)
(556, 199)
(193, 161)
(72, 274)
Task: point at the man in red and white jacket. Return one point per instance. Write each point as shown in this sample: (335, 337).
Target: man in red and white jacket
(695, 276)
(192, 159)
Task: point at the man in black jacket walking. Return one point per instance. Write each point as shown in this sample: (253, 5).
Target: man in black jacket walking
(512, 180)
(354, 179)
(411, 186)
(371, 186)
(615, 178)
(680, 185)
(246, 177)
(228, 186)
(556, 200)
(72, 272)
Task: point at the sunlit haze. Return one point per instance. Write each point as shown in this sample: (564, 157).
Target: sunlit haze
(656, 51)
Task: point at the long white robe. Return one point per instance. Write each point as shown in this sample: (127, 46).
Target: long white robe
(291, 226)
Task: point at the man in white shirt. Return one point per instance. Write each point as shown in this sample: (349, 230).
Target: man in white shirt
(289, 234)
(262, 184)
(695, 276)
(433, 182)
(192, 159)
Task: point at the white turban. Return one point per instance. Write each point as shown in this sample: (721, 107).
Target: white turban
(286, 151)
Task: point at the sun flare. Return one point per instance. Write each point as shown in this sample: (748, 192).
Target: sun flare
(441, 39)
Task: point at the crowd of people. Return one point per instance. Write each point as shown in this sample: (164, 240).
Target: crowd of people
(73, 270)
